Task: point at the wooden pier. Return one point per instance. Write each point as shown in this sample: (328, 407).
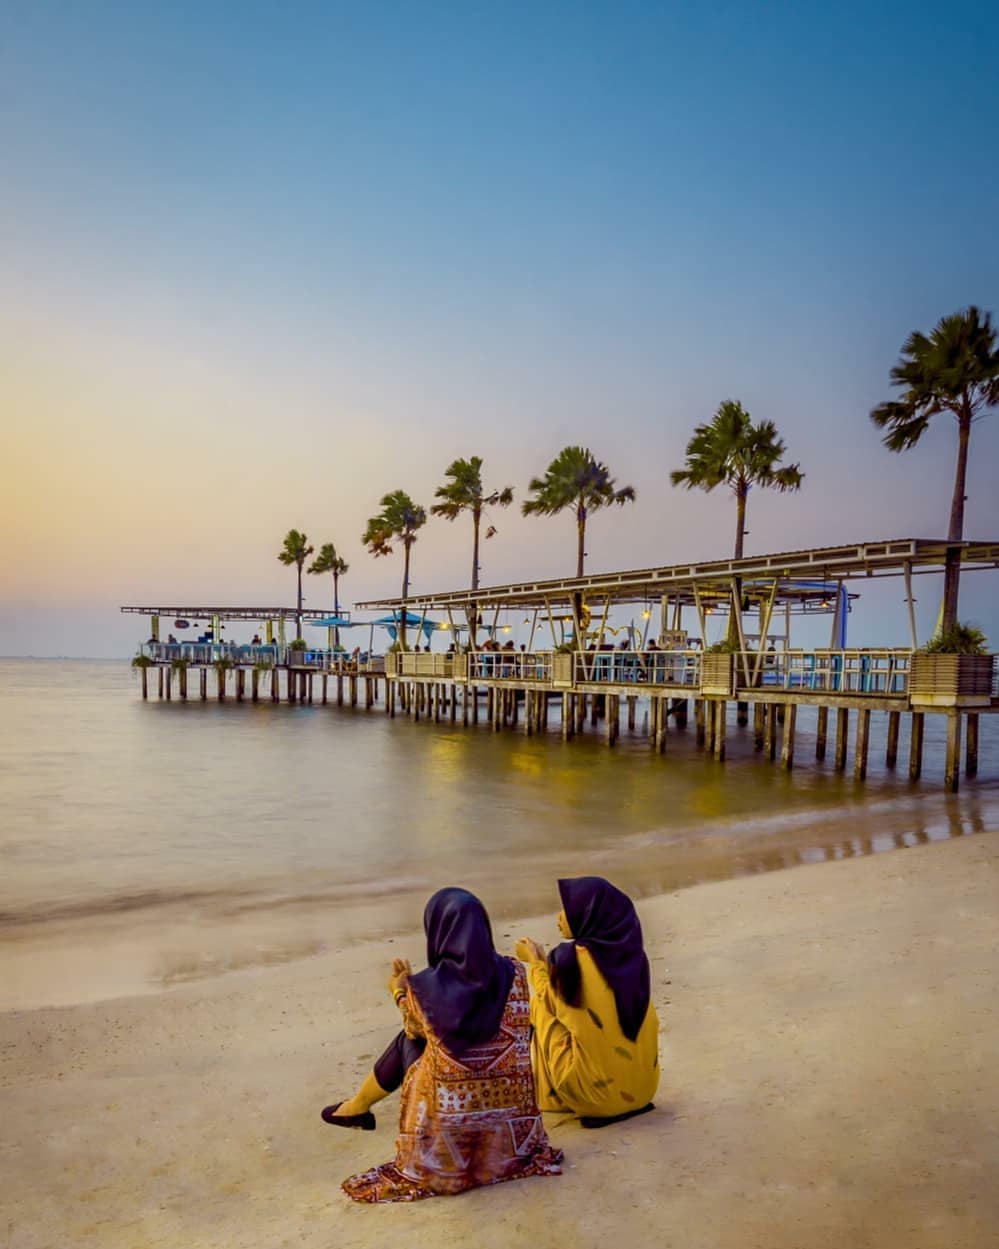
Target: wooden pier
(535, 688)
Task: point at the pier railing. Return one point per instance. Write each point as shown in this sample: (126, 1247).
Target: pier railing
(532, 666)
(884, 673)
(655, 668)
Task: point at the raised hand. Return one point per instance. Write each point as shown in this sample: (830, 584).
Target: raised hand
(528, 951)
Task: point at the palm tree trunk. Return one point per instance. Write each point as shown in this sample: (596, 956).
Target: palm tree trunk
(952, 565)
(299, 616)
(741, 491)
(473, 615)
(405, 594)
(336, 607)
(580, 539)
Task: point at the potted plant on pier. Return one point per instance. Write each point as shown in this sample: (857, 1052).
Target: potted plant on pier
(953, 670)
(718, 669)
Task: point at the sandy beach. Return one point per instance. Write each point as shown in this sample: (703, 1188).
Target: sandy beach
(829, 1047)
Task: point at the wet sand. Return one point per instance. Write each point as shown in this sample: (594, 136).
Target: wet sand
(829, 1079)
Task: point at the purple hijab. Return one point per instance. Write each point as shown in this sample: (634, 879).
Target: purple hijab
(604, 921)
(464, 990)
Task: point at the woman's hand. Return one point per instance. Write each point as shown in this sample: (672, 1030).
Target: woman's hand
(401, 971)
(529, 951)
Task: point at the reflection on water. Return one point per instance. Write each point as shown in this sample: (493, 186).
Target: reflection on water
(234, 812)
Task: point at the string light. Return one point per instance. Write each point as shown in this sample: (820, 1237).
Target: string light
(646, 614)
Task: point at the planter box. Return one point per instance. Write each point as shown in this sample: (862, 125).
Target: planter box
(562, 671)
(951, 680)
(717, 675)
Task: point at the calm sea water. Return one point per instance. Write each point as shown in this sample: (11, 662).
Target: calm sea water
(189, 839)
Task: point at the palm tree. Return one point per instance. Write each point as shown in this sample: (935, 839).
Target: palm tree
(732, 451)
(464, 493)
(328, 561)
(575, 479)
(398, 521)
(296, 550)
(955, 370)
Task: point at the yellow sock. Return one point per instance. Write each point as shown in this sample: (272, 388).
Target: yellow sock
(366, 1096)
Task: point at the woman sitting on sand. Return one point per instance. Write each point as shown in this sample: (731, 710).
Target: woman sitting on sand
(596, 1033)
(468, 1115)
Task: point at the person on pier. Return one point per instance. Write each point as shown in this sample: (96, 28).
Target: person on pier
(596, 1033)
(468, 1115)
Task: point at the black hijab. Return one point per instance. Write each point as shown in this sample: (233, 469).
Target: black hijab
(603, 921)
(464, 990)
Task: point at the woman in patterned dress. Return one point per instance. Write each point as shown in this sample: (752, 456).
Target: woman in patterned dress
(468, 1115)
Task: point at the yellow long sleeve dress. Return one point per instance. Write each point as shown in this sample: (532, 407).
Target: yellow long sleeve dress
(583, 1062)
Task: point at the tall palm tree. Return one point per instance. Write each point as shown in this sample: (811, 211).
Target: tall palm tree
(465, 493)
(397, 522)
(296, 550)
(329, 561)
(575, 479)
(955, 369)
(734, 452)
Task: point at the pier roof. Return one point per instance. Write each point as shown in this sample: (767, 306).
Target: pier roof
(791, 570)
(231, 613)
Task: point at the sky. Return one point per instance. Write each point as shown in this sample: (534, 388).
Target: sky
(262, 263)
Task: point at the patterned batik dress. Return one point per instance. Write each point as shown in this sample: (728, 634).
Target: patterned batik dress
(466, 1122)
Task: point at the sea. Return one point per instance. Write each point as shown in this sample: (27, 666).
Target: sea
(147, 845)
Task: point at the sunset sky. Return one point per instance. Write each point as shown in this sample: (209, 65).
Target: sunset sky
(262, 263)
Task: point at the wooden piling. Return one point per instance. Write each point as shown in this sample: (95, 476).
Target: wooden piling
(971, 747)
(891, 749)
(916, 746)
(952, 768)
(699, 727)
(662, 723)
(787, 745)
(770, 732)
(169, 684)
(719, 725)
(759, 724)
(821, 732)
(632, 703)
(842, 735)
(863, 742)
(145, 687)
(159, 692)
(742, 714)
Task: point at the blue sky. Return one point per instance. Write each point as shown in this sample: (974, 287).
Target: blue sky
(264, 263)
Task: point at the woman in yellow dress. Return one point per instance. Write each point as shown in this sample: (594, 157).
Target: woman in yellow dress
(596, 1034)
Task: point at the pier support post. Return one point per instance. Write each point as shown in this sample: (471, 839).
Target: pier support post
(680, 712)
(699, 730)
(719, 723)
(821, 732)
(759, 724)
(632, 703)
(275, 688)
(742, 714)
(952, 769)
(566, 717)
(159, 691)
(580, 705)
(169, 683)
(369, 696)
(653, 720)
(971, 747)
(353, 691)
(145, 686)
(863, 741)
(662, 724)
(916, 746)
(182, 682)
(842, 734)
(770, 732)
(787, 745)
(255, 686)
(891, 749)
(240, 685)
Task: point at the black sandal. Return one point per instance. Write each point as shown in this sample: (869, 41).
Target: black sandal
(365, 1122)
(591, 1121)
